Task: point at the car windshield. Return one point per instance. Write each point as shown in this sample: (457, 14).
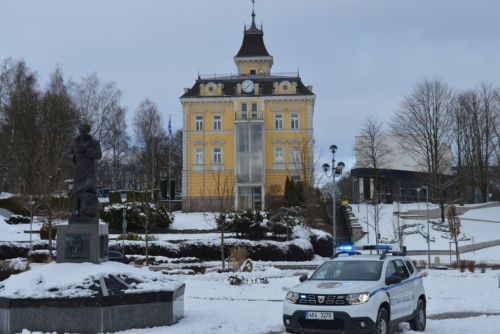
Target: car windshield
(348, 271)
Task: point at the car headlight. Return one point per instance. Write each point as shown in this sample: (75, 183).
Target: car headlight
(358, 298)
(292, 297)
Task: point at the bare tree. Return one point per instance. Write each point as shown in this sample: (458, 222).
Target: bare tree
(57, 123)
(149, 133)
(96, 102)
(373, 151)
(423, 126)
(221, 199)
(7, 131)
(118, 143)
(476, 119)
(452, 229)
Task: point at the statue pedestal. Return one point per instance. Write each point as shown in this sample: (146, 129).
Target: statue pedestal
(82, 240)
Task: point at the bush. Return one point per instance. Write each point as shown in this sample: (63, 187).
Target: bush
(17, 219)
(113, 215)
(114, 197)
(14, 205)
(285, 219)
(482, 267)
(130, 236)
(11, 267)
(44, 231)
(246, 224)
(462, 265)
(471, 266)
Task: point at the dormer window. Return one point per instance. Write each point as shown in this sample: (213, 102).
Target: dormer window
(211, 89)
(285, 87)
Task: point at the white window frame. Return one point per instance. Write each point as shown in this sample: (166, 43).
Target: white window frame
(244, 110)
(278, 121)
(255, 111)
(294, 121)
(199, 156)
(279, 154)
(217, 158)
(198, 121)
(217, 122)
(295, 154)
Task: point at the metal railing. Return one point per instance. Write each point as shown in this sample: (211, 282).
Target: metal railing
(232, 76)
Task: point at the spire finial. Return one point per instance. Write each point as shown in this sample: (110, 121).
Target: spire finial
(253, 15)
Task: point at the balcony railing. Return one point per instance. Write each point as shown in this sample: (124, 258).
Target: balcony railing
(232, 76)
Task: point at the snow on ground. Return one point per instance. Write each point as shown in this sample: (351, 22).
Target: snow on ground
(492, 214)
(65, 280)
(479, 231)
(213, 306)
(193, 221)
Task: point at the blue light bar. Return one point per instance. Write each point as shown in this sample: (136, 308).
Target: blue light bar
(378, 247)
(345, 248)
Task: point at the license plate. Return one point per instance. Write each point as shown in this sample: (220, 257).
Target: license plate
(319, 315)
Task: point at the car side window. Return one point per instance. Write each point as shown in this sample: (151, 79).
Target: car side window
(391, 270)
(401, 268)
(410, 266)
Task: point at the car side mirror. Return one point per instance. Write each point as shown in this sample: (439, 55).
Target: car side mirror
(393, 279)
(303, 278)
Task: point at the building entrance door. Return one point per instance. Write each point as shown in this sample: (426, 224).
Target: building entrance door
(250, 198)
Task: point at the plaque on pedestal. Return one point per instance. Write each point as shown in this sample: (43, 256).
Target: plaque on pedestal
(82, 242)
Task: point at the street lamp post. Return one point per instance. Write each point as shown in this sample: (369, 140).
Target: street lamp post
(428, 229)
(336, 171)
(418, 199)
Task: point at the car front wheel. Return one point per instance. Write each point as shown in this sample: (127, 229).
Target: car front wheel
(382, 325)
(418, 323)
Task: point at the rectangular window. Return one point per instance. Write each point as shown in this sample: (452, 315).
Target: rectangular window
(217, 156)
(254, 110)
(199, 155)
(278, 121)
(199, 123)
(243, 111)
(217, 122)
(294, 121)
(295, 154)
(279, 154)
(253, 72)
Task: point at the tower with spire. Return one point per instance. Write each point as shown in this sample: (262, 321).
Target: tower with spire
(253, 57)
(245, 133)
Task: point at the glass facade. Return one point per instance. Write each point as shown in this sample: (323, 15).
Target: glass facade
(249, 153)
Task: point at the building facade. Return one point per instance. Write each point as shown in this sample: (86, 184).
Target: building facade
(243, 134)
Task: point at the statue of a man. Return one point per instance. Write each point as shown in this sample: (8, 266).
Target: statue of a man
(84, 152)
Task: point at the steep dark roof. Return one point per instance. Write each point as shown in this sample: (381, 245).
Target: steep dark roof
(229, 86)
(253, 44)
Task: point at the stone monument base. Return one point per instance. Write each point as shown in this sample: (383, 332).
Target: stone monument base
(82, 241)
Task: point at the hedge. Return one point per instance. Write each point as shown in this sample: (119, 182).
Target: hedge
(209, 250)
(14, 205)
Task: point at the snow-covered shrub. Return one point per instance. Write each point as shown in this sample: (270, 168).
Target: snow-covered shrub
(17, 219)
(135, 211)
(482, 267)
(284, 220)
(11, 267)
(471, 266)
(237, 280)
(248, 224)
(14, 205)
(38, 256)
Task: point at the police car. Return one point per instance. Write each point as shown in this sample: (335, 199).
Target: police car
(356, 293)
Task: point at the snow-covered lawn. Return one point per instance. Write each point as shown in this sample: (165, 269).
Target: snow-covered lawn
(213, 306)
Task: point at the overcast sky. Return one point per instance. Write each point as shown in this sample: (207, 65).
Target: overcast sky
(361, 56)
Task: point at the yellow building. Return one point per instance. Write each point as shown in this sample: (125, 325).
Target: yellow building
(243, 134)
